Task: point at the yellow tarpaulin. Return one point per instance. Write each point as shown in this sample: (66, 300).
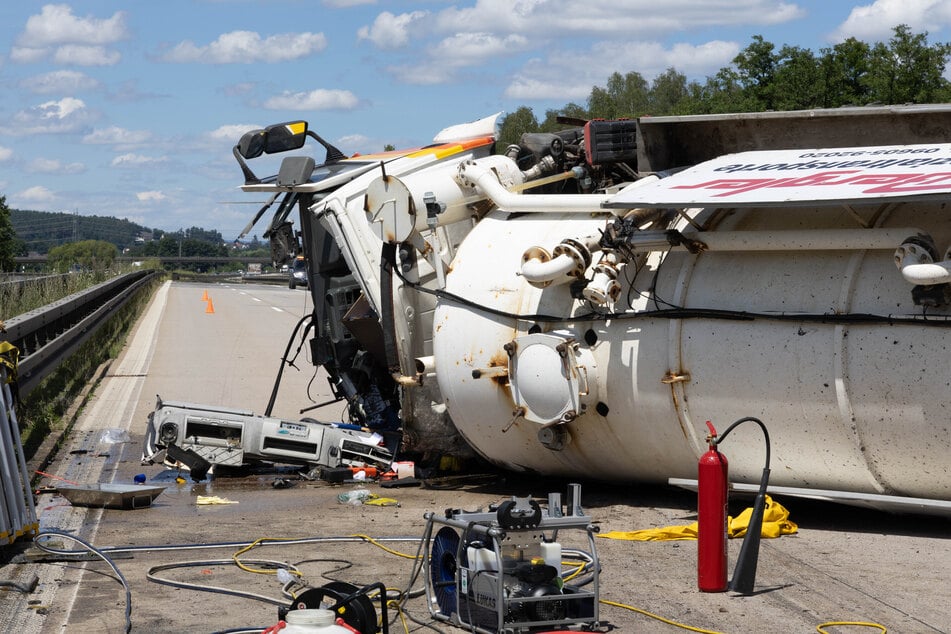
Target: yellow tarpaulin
(776, 522)
(213, 499)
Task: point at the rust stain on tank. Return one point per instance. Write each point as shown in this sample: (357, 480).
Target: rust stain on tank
(672, 378)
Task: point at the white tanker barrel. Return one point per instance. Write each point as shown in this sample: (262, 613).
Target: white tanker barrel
(825, 346)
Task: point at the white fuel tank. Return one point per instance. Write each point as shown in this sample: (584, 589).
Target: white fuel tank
(623, 392)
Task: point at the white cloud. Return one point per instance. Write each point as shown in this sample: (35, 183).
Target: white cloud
(875, 21)
(27, 55)
(469, 49)
(76, 40)
(59, 81)
(232, 132)
(456, 52)
(137, 160)
(151, 196)
(547, 78)
(57, 25)
(5, 153)
(319, 99)
(525, 87)
(54, 166)
(557, 18)
(245, 47)
(115, 135)
(66, 115)
(79, 55)
(37, 194)
(61, 109)
(353, 143)
(390, 31)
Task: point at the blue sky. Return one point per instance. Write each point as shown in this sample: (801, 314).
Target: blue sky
(130, 109)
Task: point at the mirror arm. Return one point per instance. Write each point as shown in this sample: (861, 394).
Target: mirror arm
(249, 176)
(333, 154)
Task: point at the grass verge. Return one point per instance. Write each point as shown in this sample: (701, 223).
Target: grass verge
(42, 412)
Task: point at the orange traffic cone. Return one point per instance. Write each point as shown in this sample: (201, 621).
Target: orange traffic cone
(210, 308)
(204, 296)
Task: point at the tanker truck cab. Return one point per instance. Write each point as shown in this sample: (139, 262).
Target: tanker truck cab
(320, 216)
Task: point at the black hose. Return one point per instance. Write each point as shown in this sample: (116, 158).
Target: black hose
(682, 313)
(280, 370)
(98, 553)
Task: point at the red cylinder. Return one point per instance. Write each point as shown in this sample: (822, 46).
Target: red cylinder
(712, 486)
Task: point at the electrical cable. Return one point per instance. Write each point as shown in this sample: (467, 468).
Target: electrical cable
(376, 543)
(684, 313)
(99, 553)
(151, 576)
(819, 628)
(657, 616)
(253, 545)
(325, 575)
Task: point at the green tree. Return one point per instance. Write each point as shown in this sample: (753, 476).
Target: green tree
(756, 68)
(722, 93)
(907, 70)
(797, 80)
(515, 125)
(10, 246)
(844, 70)
(668, 93)
(92, 255)
(623, 96)
(573, 111)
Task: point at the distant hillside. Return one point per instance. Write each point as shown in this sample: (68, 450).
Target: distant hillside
(42, 230)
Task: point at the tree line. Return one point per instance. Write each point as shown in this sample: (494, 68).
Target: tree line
(905, 69)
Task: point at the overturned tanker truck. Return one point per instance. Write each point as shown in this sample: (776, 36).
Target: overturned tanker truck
(581, 303)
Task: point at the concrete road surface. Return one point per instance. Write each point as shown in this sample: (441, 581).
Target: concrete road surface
(178, 558)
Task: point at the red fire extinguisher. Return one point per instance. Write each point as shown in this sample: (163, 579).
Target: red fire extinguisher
(712, 484)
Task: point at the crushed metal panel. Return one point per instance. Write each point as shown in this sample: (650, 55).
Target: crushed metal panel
(669, 142)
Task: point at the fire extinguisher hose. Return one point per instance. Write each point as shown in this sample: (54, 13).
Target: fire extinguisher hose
(744, 575)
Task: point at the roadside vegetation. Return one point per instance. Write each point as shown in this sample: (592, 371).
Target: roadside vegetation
(50, 408)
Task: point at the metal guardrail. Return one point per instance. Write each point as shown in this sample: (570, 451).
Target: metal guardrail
(17, 506)
(47, 336)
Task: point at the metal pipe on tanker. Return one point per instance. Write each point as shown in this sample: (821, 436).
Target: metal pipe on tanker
(425, 365)
(540, 273)
(808, 240)
(916, 267)
(478, 173)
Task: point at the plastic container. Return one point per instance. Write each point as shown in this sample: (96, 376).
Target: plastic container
(312, 622)
(551, 553)
(481, 558)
